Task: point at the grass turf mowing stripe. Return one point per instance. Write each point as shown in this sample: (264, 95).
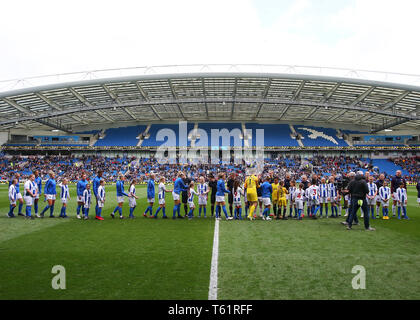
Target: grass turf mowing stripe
(313, 259)
(214, 263)
(111, 259)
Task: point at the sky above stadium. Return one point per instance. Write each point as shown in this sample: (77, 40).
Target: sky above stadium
(48, 37)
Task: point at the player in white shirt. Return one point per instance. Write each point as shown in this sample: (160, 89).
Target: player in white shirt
(101, 199)
(384, 196)
(161, 196)
(29, 195)
(299, 197)
(191, 204)
(87, 199)
(333, 197)
(132, 198)
(307, 200)
(323, 197)
(291, 198)
(203, 190)
(402, 201)
(314, 198)
(12, 198)
(64, 196)
(371, 196)
(237, 200)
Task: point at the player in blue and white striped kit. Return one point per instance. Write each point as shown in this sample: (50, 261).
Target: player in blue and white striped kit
(29, 194)
(80, 188)
(333, 197)
(203, 189)
(384, 196)
(161, 197)
(191, 204)
(323, 197)
(402, 201)
(371, 196)
(64, 196)
(12, 198)
(87, 199)
(101, 199)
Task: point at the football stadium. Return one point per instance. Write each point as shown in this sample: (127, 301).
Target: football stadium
(196, 182)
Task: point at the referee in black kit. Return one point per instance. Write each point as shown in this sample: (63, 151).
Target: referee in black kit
(358, 190)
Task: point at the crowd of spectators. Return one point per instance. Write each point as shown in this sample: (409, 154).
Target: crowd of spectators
(71, 167)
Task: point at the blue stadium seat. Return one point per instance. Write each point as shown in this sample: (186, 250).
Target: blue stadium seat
(121, 136)
(319, 137)
(275, 135)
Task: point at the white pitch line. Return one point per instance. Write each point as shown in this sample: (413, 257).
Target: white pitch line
(214, 263)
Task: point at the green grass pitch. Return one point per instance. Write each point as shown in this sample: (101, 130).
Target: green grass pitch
(170, 259)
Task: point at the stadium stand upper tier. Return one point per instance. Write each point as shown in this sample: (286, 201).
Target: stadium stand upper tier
(275, 135)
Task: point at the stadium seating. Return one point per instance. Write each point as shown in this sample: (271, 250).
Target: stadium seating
(319, 137)
(387, 166)
(126, 136)
(275, 135)
(229, 126)
(154, 129)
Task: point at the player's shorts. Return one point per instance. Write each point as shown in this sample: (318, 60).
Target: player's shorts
(184, 197)
(12, 202)
(37, 195)
(19, 196)
(252, 196)
(101, 203)
(79, 198)
(290, 197)
(323, 200)
(371, 202)
(395, 196)
(314, 201)
(275, 200)
(282, 202)
(384, 203)
(162, 201)
(347, 197)
(120, 199)
(63, 200)
(237, 203)
(202, 200)
(220, 198)
(335, 199)
(28, 200)
(50, 196)
(132, 202)
(378, 198)
(86, 206)
(230, 197)
(418, 200)
(260, 199)
(299, 204)
(402, 204)
(151, 200)
(175, 196)
(266, 201)
(191, 204)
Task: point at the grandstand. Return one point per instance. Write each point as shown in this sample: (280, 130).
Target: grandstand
(303, 113)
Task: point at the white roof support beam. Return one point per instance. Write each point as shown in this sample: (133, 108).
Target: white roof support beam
(118, 101)
(146, 98)
(88, 104)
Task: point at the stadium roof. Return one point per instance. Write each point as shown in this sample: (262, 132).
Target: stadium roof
(197, 93)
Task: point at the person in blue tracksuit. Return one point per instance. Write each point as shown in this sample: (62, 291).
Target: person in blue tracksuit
(50, 193)
(95, 186)
(120, 197)
(266, 191)
(38, 183)
(220, 197)
(19, 197)
(179, 186)
(80, 188)
(150, 195)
